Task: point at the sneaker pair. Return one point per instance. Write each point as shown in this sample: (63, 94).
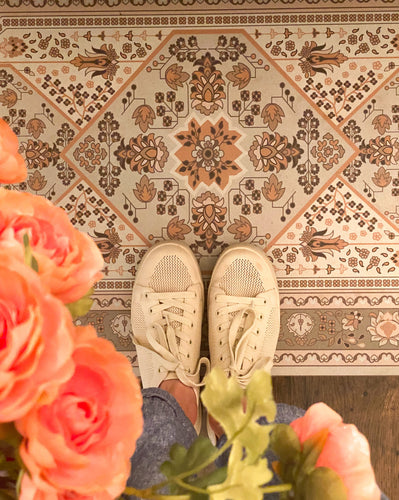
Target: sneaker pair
(167, 308)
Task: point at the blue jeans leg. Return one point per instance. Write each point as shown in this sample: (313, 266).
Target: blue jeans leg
(165, 423)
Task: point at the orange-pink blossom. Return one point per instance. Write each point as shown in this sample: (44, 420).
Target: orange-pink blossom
(346, 450)
(69, 261)
(35, 339)
(82, 441)
(12, 164)
(29, 491)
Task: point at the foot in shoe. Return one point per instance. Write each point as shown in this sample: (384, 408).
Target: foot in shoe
(167, 304)
(243, 312)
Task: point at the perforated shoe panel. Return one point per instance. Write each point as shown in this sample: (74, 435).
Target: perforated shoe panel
(170, 274)
(242, 279)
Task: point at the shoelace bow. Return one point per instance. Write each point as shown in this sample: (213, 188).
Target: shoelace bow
(239, 343)
(163, 339)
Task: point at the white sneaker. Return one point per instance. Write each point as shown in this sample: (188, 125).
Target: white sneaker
(243, 312)
(167, 306)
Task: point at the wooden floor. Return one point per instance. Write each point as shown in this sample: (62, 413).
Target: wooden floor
(371, 403)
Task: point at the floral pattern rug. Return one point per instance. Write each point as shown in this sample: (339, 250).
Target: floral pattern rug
(272, 125)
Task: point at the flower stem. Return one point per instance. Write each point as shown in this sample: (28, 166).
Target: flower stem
(277, 488)
(189, 487)
(150, 493)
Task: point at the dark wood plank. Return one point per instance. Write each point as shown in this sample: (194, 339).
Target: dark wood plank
(371, 403)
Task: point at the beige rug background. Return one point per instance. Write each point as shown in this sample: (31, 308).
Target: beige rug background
(272, 124)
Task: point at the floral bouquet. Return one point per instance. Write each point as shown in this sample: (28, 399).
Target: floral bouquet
(70, 405)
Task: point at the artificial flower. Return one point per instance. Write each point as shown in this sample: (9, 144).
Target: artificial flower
(35, 339)
(29, 491)
(69, 261)
(346, 451)
(12, 164)
(82, 441)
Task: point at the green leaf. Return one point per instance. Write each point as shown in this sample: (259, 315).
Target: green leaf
(244, 480)
(312, 448)
(260, 396)
(29, 258)
(285, 443)
(198, 452)
(326, 484)
(184, 460)
(7, 495)
(176, 464)
(9, 434)
(255, 439)
(19, 482)
(215, 477)
(306, 464)
(223, 398)
(82, 306)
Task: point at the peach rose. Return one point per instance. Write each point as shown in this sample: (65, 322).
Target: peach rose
(35, 339)
(69, 261)
(12, 165)
(30, 492)
(346, 450)
(82, 441)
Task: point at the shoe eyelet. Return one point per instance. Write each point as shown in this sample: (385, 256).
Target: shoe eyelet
(221, 358)
(151, 310)
(217, 313)
(192, 325)
(190, 342)
(188, 355)
(146, 295)
(219, 328)
(265, 301)
(159, 370)
(194, 311)
(261, 316)
(255, 347)
(220, 343)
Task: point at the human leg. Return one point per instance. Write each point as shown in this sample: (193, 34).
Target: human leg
(165, 423)
(243, 315)
(167, 303)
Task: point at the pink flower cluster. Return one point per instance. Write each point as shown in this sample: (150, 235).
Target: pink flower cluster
(73, 399)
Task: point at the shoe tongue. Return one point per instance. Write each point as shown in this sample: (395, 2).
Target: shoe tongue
(245, 323)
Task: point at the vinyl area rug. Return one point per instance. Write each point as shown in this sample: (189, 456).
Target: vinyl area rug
(271, 123)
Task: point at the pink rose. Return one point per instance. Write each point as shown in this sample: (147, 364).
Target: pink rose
(12, 165)
(69, 261)
(35, 339)
(30, 492)
(346, 450)
(82, 441)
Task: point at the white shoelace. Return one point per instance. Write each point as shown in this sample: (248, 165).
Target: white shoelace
(239, 338)
(163, 338)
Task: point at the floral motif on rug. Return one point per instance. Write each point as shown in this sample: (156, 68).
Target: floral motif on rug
(277, 129)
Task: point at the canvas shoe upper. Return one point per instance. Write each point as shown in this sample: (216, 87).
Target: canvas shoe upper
(243, 312)
(167, 305)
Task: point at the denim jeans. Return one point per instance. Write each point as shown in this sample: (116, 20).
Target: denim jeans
(165, 424)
